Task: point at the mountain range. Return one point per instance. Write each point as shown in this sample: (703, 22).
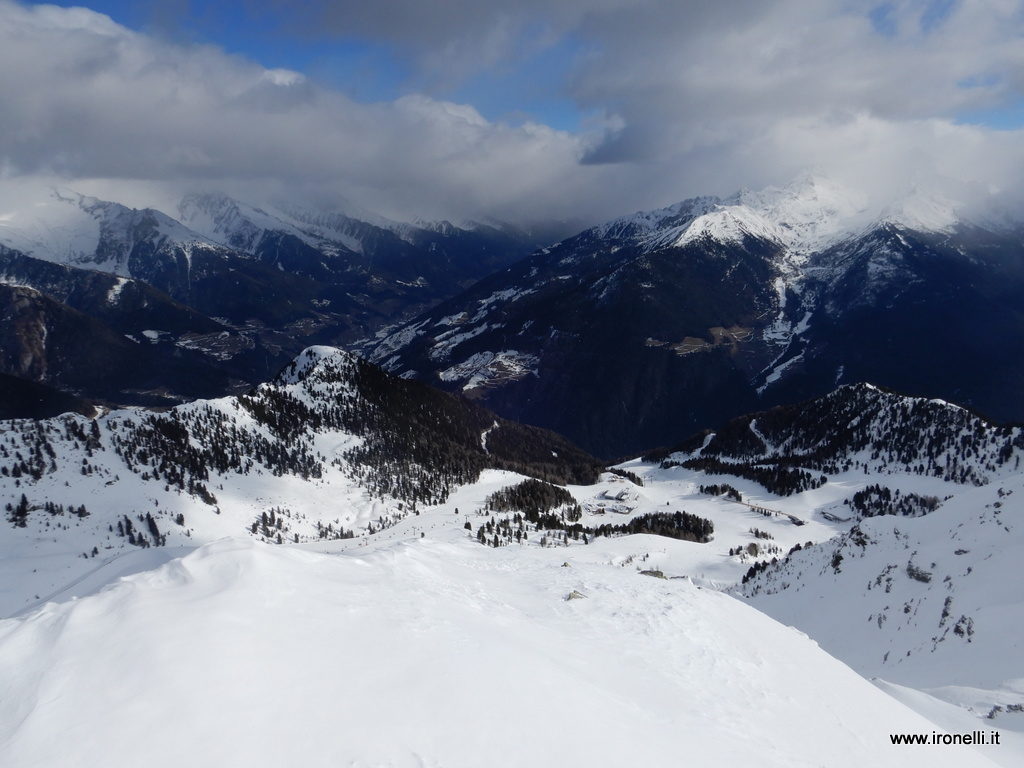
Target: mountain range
(660, 323)
(215, 299)
(621, 337)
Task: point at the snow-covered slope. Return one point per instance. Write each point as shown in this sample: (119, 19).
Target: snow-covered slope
(333, 447)
(66, 227)
(932, 602)
(415, 637)
(436, 653)
(864, 428)
(921, 589)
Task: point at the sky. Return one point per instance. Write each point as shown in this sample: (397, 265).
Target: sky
(524, 112)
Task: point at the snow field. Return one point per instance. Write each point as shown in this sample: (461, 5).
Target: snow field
(428, 653)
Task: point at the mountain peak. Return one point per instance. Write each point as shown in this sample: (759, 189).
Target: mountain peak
(226, 220)
(808, 214)
(61, 225)
(924, 211)
(316, 362)
(804, 215)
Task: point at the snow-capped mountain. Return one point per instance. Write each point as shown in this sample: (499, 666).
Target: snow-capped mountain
(808, 215)
(66, 227)
(227, 292)
(69, 228)
(805, 216)
(243, 226)
(662, 322)
(437, 257)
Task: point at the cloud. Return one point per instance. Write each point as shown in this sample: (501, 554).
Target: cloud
(447, 41)
(86, 98)
(689, 98)
(749, 93)
(707, 96)
(682, 76)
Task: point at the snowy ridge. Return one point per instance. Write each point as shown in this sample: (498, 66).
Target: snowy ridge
(729, 224)
(228, 221)
(69, 228)
(807, 215)
(643, 224)
(323, 227)
(332, 447)
(406, 633)
(862, 426)
(243, 226)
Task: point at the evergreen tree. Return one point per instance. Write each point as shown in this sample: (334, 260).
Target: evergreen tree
(19, 517)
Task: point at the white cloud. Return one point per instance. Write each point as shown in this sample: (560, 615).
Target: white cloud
(691, 98)
(85, 98)
(284, 77)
